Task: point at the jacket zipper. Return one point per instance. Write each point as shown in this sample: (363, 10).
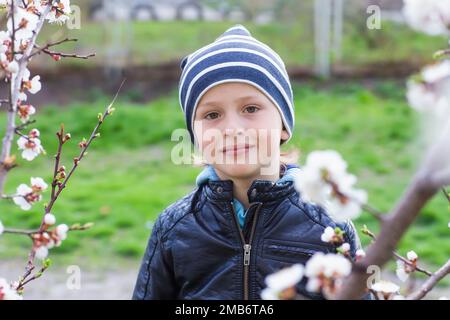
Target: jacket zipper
(247, 246)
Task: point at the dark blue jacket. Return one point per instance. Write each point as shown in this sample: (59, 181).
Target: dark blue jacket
(198, 251)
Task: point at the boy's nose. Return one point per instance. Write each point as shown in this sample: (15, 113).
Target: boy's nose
(233, 126)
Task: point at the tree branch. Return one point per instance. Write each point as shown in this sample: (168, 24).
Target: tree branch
(25, 124)
(446, 194)
(20, 231)
(393, 227)
(106, 113)
(432, 175)
(48, 45)
(397, 255)
(431, 282)
(14, 88)
(52, 53)
(68, 55)
(55, 193)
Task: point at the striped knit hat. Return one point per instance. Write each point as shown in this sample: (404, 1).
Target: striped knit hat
(235, 57)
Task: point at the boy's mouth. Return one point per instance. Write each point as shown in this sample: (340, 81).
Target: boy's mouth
(234, 149)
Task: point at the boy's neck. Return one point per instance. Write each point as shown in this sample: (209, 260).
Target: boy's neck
(241, 186)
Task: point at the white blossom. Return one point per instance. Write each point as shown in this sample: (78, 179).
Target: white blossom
(61, 231)
(31, 147)
(285, 278)
(328, 234)
(38, 184)
(12, 67)
(412, 256)
(436, 72)
(385, 290)
(34, 133)
(25, 111)
(269, 294)
(359, 254)
(20, 45)
(25, 23)
(401, 272)
(326, 271)
(22, 191)
(282, 280)
(33, 85)
(342, 210)
(26, 196)
(324, 180)
(2, 228)
(431, 16)
(60, 12)
(22, 96)
(344, 248)
(7, 292)
(49, 219)
(51, 243)
(41, 252)
(430, 91)
(5, 39)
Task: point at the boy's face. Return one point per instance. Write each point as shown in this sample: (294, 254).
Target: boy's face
(239, 130)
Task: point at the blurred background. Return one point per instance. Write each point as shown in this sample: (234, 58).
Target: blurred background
(349, 87)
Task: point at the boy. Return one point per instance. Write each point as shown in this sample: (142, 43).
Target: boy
(244, 220)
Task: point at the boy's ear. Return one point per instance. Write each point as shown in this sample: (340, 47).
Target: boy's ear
(284, 135)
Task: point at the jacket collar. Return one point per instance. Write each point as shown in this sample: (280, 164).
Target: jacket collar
(260, 190)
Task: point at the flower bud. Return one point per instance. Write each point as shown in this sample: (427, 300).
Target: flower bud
(49, 219)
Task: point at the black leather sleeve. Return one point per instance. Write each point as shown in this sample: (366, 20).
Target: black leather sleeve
(155, 278)
(351, 236)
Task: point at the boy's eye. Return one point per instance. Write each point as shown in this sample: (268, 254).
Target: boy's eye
(212, 115)
(251, 109)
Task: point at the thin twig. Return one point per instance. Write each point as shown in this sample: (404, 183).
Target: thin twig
(13, 99)
(446, 194)
(417, 268)
(374, 212)
(25, 124)
(9, 196)
(68, 55)
(25, 275)
(38, 231)
(57, 160)
(442, 53)
(431, 282)
(48, 45)
(83, 151)
(38, 274)
(20, 231)
(22, 134)
(369, 233)
(55, 193)
(52, 53)
(15, 82)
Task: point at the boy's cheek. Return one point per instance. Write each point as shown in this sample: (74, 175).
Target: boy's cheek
(208, 151)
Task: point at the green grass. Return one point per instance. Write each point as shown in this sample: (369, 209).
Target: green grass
(127, 177)
(154, 42)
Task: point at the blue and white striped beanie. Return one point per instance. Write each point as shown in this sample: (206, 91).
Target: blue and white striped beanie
(235, 57)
